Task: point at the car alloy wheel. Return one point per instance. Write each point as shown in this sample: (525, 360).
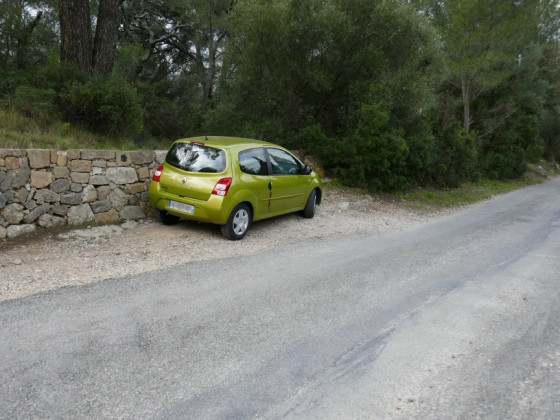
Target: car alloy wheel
(238, 223)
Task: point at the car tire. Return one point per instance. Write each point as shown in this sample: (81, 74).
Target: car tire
(163, 217)
(238, 223)
(309, 210)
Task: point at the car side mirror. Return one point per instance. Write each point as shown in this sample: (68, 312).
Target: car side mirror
(307, 170)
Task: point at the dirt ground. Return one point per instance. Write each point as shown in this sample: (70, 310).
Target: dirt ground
(75, 257)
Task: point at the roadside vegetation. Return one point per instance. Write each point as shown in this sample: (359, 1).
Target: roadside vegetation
(414, 98)
(467, 193)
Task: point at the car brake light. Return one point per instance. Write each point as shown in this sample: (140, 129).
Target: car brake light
(197, 143)
(222, 187)
(157, 174)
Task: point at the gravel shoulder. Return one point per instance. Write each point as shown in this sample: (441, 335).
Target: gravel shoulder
(81, 256)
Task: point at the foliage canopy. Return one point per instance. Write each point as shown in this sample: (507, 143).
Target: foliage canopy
(388, 94)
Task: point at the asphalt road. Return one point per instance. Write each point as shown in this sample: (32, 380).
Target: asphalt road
(456, 319)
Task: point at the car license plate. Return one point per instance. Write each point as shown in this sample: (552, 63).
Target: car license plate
(185, 208)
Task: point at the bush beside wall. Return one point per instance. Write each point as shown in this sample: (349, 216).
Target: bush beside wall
(48, 187)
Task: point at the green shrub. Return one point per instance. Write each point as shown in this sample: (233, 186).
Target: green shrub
(9, 81)
(167, 115)
(374, 156)
(456, 157)
(108, 106)
(420, 160)
(505, 163)
(119, 107)
(509, 150)
(39, 104)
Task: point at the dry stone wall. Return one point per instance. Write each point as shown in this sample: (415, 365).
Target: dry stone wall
(48, 187)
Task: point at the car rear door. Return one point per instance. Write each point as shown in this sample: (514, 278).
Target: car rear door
(254, 176)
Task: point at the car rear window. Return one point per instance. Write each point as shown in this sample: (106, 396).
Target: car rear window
(194, 157)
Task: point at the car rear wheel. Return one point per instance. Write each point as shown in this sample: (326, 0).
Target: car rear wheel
(165, 218)
(238, 223)
(309, 210)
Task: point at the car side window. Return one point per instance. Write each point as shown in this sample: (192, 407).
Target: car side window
(283, 163)
(253, 161)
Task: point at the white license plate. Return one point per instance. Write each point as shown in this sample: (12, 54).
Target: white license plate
(185, 208)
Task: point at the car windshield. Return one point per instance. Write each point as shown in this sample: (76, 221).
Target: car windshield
(194, 157)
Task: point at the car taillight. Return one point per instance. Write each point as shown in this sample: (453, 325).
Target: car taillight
(222, 187)
(157, 174)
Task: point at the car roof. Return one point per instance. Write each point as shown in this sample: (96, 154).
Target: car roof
(226, 142)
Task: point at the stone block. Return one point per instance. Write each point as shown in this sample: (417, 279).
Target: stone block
(79, 177)
(3, 232)
(21, 177)
(122, 176)
(96, 170)
(80, 166)
(61, 158)
(3, 200)
(59, 210)
(60, 172)
(2, 162)
(134, 188)
(143, 173)
(12, 152)
(98, 180)
(75, 187)
(73, 154)
(12, 213)
(71, 199)
(30, 205)
(49, 221)
(145, 196)
(89, 194)
(54, 156)
(10, 196)
(118, 199)
(61, 185)
(98, 154)
(123, 159)
(110, 216)
(6, 179)
(142, 157)
(39, 159)
(160, 156)
(19, 230)
(35, 213)
(78, 215)
(41, 179)
(99, 163)
(132, 213)
(103, 192)
(21, 195)
(101, 206)
(11, 163)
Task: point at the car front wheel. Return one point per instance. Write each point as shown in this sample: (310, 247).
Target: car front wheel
(238, 223)
(309, 210)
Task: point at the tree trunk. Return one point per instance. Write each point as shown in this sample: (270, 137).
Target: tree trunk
(75, 32)
(106, 37)
(466, 105)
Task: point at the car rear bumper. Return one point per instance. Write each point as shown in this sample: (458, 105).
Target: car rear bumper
(214, 210)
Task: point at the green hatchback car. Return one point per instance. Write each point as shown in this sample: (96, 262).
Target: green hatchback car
(232, 182)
